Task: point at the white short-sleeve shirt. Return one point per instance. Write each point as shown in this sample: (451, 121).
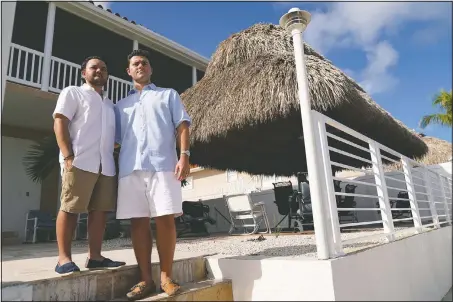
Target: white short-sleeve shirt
(91, 128)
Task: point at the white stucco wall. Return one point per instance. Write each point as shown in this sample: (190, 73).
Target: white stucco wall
(16, 184)
(418, 268)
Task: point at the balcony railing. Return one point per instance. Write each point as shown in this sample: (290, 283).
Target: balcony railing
(26, 67)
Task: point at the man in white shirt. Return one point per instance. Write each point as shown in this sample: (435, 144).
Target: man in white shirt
(84, 125)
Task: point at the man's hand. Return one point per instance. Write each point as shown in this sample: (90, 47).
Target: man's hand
(182, 168)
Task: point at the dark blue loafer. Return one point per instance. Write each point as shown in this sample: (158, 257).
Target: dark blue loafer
(67, 268)
(102, 264)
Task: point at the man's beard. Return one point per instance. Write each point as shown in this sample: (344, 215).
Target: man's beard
(98, 81)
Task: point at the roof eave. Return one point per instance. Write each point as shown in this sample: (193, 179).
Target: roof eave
(142, 34)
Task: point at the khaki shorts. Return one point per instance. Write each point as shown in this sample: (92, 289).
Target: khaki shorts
(83, 191)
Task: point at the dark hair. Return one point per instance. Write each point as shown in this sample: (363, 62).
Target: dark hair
(140, 53)
(85, 62)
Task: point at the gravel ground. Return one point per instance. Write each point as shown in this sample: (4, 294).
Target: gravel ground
(283, 245)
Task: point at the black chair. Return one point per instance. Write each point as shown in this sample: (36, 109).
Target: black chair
(194, 218)
(37, 220)
(401, 204)
(347, 202)
(290, 204)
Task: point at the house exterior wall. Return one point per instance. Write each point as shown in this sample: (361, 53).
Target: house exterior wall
(19, 193)
(47, 44)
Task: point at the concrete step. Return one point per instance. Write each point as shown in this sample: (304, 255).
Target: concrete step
(102, 285)
(207, 290)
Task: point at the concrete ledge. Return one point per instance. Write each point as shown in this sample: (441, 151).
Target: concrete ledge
(208, 290)
(417, 268)
(99, 285)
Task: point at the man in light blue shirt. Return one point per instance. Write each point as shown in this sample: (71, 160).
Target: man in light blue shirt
(150, 122)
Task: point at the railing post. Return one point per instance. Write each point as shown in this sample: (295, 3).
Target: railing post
(444, 195)
(411, 193)
(382, 192)
(194, 75)
(432, 205)
(8, 13)
(48, 43)
(336, 246)
(135, 45)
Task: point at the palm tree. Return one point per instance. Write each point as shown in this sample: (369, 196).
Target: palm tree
(42, 158)
(443, 101)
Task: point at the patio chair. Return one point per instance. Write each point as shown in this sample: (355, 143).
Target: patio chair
(401, 204)
(194, 218)
(241, 208)
(37, 220)
(294, 204)
(347, 202)
(112, 227)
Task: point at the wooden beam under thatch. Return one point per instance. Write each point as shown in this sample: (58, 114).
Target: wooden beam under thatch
(246, 114)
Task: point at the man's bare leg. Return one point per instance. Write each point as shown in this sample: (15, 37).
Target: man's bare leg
(166, 243)
(142, 243)
(66, 224)
(96, 229)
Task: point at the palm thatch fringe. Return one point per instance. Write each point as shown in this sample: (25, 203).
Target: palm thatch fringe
(439, 151)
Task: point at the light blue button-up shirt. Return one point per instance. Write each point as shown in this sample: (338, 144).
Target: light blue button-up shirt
(146, 125)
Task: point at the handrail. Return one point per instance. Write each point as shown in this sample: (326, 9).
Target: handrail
(436, 186)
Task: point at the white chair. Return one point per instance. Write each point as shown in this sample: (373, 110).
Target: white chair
(242, 209)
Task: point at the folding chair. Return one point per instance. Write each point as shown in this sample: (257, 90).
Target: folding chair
(241, 208)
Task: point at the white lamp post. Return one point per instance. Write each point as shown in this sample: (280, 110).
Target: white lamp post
(295, 21)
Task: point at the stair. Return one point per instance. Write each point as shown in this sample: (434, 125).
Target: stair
(112, 285)
(207, 290)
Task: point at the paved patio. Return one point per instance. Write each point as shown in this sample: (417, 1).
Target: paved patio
(30, 262)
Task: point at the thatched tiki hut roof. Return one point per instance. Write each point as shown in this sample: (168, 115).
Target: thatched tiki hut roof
(246, 114)
(439, 152)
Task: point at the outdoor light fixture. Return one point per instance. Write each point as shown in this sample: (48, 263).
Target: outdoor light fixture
(295, 21)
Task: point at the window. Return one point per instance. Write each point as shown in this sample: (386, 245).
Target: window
(231, 176)
(189, 184)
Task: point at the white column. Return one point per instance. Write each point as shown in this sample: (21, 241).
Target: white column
(135, 45)
(295, 21)
(48, 42)
(8, 13)
(194, 75)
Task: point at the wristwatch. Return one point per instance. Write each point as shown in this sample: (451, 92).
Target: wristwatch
(187, 152)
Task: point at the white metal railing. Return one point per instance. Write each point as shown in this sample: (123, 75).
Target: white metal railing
(117, 88)
(25, 67)
(413, 194)
(63, 74)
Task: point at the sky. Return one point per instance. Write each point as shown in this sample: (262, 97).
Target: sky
(399, 52)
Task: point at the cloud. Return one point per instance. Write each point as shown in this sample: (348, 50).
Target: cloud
(367, 26)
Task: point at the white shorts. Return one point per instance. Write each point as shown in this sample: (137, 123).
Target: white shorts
(149, 194)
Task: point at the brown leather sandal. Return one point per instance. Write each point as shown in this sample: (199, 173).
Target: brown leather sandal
(170, 287)
(141, 290)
